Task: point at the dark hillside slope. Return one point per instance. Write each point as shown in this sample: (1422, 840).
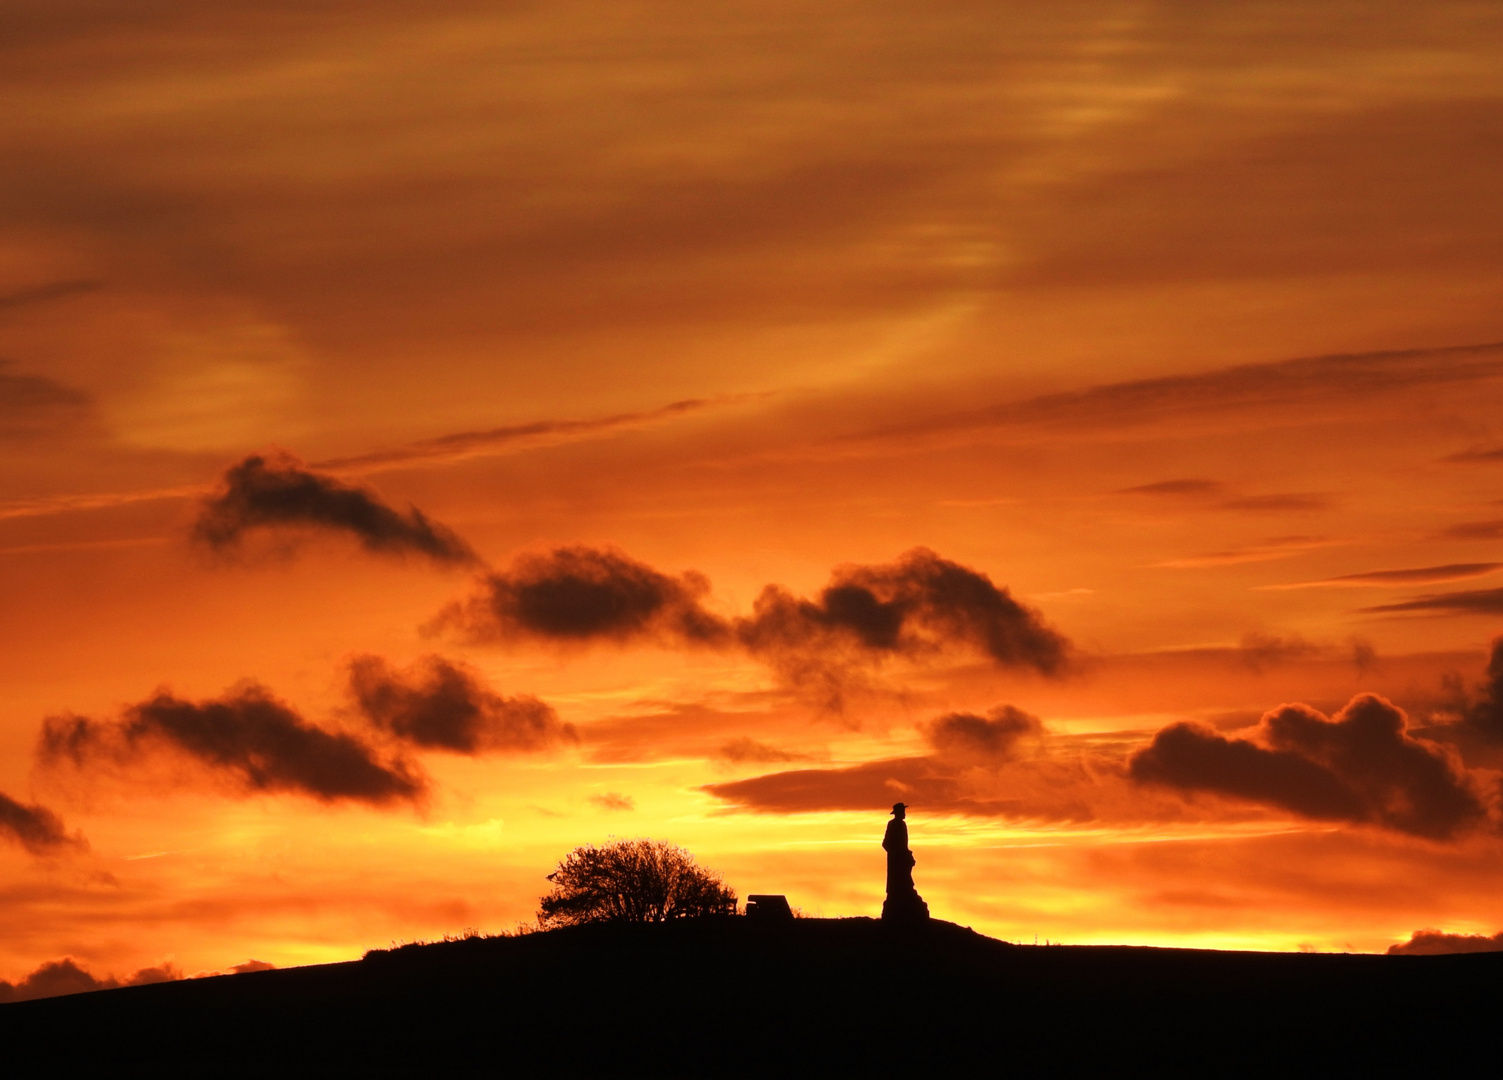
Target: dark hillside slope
(733, 996)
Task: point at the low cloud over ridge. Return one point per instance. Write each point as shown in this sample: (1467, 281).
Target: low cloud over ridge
(281, 493)
(1439, 943)
(59, 977)
(1359, 766)
(34, 827)
(438, 704)
(247, 735)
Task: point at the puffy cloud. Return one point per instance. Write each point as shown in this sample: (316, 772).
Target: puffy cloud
(579, 594)
(994, 737)
(438, 704)
(59, 977)
(248, 735)
(916, 608)
(34, 827)
(1437, 943)
(1360, 765)
(262, 493)
(919, 606)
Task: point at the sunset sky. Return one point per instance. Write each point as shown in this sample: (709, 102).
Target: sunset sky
(439, 436)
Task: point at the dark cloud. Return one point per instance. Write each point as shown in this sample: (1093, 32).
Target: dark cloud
(992, 737)
(919, 606)
(250, 966)
(580, 594)
(438, 704)
(33, 406)
(747, 749)
(1176, 487)
(1474, 530)
(262, 493)
(61, 977)
(1359, 766)
(1461, 602)
(248, 735)
(1439, 943)
(36, 828)
(1484, 713)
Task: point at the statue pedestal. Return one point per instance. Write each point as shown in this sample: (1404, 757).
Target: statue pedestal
(905, 907)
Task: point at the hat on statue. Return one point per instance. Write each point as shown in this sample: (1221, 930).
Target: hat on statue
(898, 806)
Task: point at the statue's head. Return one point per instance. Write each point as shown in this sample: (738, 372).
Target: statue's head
(899, 810)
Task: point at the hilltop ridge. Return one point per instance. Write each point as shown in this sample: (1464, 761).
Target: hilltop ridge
(736, 996)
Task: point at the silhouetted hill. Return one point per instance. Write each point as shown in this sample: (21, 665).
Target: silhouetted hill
(733, 996)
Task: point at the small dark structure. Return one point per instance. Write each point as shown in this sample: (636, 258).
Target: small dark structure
(769, 907)
(903, 903)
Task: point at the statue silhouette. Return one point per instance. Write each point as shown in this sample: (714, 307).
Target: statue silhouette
(903, 903)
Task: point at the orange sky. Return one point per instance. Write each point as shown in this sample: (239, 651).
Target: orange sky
(1168, 331)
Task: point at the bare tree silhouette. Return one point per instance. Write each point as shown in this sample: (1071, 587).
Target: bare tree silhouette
(632, 881)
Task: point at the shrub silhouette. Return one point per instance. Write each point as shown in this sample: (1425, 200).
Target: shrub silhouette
(632, 881)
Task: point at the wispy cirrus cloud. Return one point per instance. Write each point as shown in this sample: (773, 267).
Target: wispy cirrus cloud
(1372, 579)
(516, 438)
(1272, 394)
(1278, 547)
(1473, 530)
(1460, 602)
